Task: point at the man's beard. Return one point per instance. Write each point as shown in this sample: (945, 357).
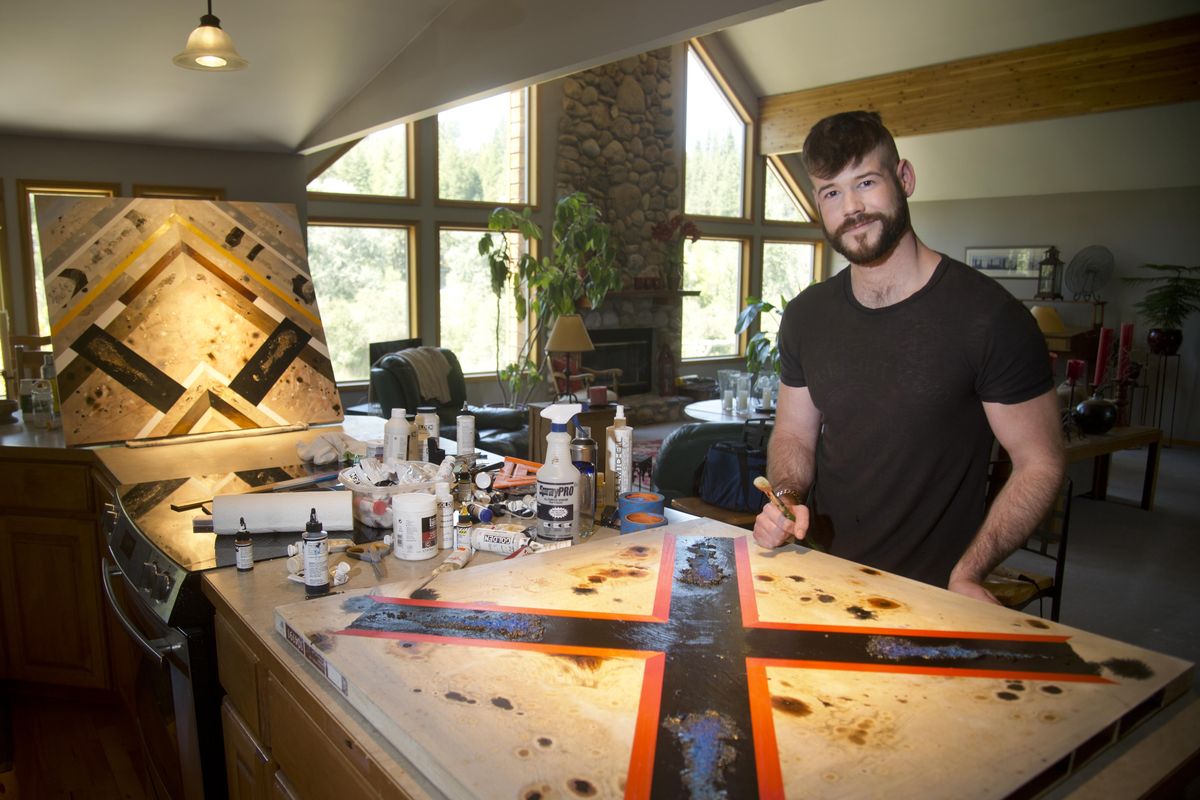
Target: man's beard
(863, 253)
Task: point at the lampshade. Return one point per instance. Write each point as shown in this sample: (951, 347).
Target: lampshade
(569, 336)
(210, 48)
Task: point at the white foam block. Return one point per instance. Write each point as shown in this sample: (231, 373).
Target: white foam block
(281, 511)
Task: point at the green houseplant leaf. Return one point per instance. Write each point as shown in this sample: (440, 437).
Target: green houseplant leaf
(1174, 297)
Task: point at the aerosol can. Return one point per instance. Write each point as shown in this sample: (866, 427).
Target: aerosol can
(583, 456)
(558, 479)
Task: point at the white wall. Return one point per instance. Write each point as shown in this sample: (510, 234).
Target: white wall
(1146, 226)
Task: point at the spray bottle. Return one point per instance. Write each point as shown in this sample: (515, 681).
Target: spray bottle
(583, 456)
(395, 436)
(316, 557)
(618, 458)
(558, 479)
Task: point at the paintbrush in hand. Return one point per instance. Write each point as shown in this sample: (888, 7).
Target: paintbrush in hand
(765, 485)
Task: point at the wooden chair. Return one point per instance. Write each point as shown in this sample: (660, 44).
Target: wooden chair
(1017, 587)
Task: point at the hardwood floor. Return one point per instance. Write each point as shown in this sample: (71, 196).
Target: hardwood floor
(64, 749)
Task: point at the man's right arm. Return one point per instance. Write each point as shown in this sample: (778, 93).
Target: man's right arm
(791, 459)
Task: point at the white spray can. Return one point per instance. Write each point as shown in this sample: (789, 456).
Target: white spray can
(395, 436)
(558, 479)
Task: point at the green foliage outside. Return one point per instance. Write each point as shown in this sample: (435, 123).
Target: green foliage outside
(712, 267)
(714, 174)
(479, 330)
(377, 165)
(472, 152)
(787, 270)
(778, 203)
(360, 276)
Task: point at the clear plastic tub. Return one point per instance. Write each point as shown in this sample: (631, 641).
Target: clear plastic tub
(373, 504)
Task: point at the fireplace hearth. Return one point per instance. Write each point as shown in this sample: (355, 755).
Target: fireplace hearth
(628, 349)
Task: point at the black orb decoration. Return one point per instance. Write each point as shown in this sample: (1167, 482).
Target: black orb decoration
(1095, 415)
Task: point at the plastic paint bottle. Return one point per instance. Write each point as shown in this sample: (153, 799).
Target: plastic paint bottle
(583, 456)
(466, 436)
(618, 458)
(316, 557)
(243, 547)
(395, 436)
(462, 530)
(427, 428)
(414, 526)
(445, 515)
(558, 479)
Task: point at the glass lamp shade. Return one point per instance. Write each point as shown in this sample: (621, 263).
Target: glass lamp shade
(210, 49)
(569, 336)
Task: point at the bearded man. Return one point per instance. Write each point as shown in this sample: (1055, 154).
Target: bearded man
(896, 375)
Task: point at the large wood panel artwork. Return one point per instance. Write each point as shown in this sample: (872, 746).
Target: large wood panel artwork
(688, 662)
(171, 317)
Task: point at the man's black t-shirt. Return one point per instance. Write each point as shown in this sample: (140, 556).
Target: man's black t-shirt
(901, 463)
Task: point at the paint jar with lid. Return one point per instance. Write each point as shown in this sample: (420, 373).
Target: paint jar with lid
(414, 526)
(427, 423)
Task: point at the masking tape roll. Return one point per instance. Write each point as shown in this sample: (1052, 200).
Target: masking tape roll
(281, 511)
(641, 520)
(650, 502)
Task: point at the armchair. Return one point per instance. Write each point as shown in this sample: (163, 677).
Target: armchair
(583, 378)
(394, 384)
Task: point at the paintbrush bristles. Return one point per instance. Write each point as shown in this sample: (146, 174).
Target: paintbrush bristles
(762, 483)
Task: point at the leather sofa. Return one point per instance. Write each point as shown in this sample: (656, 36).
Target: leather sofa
(684, 450)
(504, 431)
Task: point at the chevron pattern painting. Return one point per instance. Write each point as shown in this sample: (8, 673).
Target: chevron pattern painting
(173, 317)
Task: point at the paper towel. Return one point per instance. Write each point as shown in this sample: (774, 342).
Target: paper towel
(281, 511)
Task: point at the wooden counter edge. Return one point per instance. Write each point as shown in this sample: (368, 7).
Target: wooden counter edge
(386, 770)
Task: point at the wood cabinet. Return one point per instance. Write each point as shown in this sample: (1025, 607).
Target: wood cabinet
(249, 769)
(53, 618)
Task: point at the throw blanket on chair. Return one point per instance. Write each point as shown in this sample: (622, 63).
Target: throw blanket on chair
(431, 368)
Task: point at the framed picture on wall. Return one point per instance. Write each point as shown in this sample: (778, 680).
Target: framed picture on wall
(1006, 262)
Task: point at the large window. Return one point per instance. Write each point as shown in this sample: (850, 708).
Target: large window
(483, 150)
(714, 269)
(378, 165)
(788, 268)
(35, 286)
(715, 165)
(363, 279)
(467, 314)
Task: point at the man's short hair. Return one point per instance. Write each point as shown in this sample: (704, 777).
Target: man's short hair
(841, 140)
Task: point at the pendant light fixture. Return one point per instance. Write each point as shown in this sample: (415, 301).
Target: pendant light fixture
(209, 48)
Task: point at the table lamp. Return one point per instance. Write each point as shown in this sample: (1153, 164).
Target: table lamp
(568, 336)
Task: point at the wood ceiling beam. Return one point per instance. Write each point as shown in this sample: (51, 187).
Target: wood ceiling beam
(1144, 66)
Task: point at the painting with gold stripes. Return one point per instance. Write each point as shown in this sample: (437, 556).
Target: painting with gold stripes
(177, 317)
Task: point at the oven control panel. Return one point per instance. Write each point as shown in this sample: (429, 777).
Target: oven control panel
(154, 576)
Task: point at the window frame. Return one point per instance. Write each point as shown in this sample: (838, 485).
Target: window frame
(26, 188)
(748, 140)
(531, 160)
(153, 192)
(746, 242)
(784, 175)
(414, 322)
(411, 164)
(525, 326)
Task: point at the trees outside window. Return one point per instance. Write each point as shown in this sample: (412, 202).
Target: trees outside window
(467, 307)
(483, 150)
(715, 159)
(376, 166)
(788, 267)
(362, 275)
(780, 202)
(714, 268)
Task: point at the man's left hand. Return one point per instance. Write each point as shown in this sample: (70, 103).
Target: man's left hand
(972, 589)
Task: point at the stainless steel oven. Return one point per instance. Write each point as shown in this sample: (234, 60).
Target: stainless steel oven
(176, 694)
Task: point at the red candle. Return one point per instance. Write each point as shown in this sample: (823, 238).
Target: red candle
(1126, 343)
(1075, 368)
(1106, 337)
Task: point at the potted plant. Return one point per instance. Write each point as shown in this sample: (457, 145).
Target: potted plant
(580, 268)
(672, 233)
(762, 351)
(1174, 298)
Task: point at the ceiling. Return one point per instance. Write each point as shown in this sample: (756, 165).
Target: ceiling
(323, 71)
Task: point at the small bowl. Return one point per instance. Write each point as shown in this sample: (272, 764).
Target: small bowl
(8, 410)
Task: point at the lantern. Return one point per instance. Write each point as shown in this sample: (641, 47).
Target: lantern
(1050, 276)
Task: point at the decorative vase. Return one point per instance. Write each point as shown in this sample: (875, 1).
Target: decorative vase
(1164, 341)
(1095, 415)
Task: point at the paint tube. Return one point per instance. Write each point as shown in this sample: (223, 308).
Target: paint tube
(533, 548)
(499, 539)
(457, 559)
